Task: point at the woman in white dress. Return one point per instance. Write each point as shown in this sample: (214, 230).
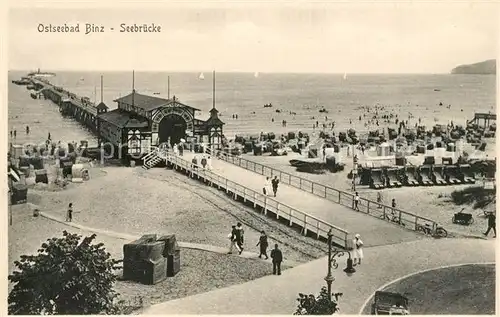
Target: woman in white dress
(267, 186)
(358, 249)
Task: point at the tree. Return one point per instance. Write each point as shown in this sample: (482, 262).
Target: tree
(67, 276)
(320, 305)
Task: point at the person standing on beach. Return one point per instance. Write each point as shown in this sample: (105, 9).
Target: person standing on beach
(491, 224)
(358, 249)
(275, 181)
(27, 129)
(11, 134)
(69, 213)
(49, 138)
(277, 257)
(15, 133)
(356, 202)
(263, 245)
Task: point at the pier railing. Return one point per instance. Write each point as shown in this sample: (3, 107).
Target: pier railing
(293, 217)
(397, 216)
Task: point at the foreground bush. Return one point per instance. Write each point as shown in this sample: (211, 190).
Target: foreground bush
(320, 305)
(66, 277)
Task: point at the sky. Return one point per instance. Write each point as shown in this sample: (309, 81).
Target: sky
(298, 37)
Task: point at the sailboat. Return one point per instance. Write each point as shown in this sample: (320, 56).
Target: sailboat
(256, 74)
(201, 76)
(345, 76)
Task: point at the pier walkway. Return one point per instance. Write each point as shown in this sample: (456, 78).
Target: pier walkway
(313, 214)
(373, 231)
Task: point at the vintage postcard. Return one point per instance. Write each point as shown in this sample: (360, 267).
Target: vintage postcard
(237, 158)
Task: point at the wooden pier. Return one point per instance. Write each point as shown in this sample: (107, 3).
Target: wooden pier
(79, 108)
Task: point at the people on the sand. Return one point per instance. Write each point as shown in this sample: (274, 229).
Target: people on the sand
(27, 129)
(15, 133)
(358, 249)
(491, 224)
(263, 244)
(277, 257)
(69, 213)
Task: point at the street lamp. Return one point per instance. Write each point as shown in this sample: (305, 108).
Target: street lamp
(332, 263)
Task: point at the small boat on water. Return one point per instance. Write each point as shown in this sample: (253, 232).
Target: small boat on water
(201, 76)
(256, 74)
(39, 73)
(323, 110)
(435, 89)
(268, 105)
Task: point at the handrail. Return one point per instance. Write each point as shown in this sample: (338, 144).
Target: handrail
(310, 223)
(335, 195)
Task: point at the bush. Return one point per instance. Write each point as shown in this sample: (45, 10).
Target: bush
(479, 196)
(68, 276)
(320, 305)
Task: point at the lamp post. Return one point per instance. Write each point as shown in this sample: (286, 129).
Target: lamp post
(332, 263)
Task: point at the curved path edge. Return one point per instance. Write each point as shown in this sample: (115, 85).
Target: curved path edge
(129, 237)
(368, 300)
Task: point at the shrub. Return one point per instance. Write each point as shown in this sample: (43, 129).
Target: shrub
(67, 276)
(479, 196)
(320, 305)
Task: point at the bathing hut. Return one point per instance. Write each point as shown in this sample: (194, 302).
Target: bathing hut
(384, 149)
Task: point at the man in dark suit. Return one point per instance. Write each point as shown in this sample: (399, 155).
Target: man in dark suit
(277, 257)
(491, 224)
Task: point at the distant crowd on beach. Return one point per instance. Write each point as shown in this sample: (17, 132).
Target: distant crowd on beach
(370, 117)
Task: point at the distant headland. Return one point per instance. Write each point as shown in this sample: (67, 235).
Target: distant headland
(488, 67)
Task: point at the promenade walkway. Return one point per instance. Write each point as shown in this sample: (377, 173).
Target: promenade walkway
(382, 264)
(372, 230)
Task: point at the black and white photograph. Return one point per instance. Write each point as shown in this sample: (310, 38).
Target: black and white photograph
(237, 158)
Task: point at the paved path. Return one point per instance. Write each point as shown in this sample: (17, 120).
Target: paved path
(372, 230)
(382, 264)
(129, 237)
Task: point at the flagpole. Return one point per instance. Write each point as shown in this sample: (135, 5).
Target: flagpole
(168, 87)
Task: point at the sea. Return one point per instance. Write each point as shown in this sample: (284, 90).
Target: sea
(295, 98)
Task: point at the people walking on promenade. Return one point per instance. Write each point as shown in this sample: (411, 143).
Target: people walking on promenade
(277, 257)
(358, 249)
(266, 190)
(491, 224)
(204, 161)
(233, 241)
(240, 236)
(379, 199)
(176, 150)
(263, 244)
(356, 202)
(69, 213)
(275, 181)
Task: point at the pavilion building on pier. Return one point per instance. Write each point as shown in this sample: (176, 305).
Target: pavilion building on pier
(142, 121)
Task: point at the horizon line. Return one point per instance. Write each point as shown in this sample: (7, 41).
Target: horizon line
(228, 72)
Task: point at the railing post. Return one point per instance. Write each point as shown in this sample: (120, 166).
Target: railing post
(265, 205)
(339, 198)
(325, 191)
(254, 199)
(416, 222)
(317, 229)
(368, 207)
(304, 232)
(400, 216)
(383, 211)
(300, 182)
(278, 211)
